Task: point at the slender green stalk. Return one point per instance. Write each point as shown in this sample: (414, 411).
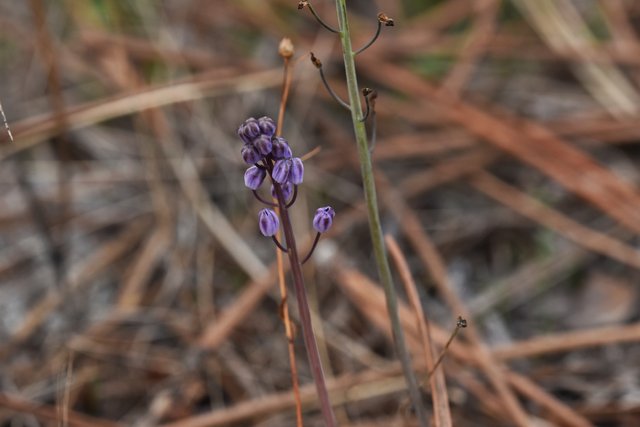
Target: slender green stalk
(375, 227)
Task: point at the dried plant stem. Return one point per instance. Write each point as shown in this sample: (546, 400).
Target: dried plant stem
(439, 395)
(375, 226)
(286, 84)
(6, 125)
(305, 316)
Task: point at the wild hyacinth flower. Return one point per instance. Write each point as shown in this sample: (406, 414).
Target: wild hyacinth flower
(268, 222)
(289, 170)
(250, 155)
(281, 170)
(254, 176)
(263, 144)
(280, 148)
(296, 172)
(267, 126)
(249, 130)
(271, 156)
(323, 219)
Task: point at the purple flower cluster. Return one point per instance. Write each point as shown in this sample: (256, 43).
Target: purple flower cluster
(261, 145)
(271, 155)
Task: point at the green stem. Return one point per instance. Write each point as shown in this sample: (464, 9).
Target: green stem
(375, 228)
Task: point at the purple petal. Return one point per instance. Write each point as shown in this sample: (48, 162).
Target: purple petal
(268, 222)
(263, 144)
(250, 155)
(267, 126)
(281, 170)
(323, 219)
(253, 177)
(296, 173)
(280, 148)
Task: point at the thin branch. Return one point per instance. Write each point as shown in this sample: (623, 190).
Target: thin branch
(266, 202)
(313, 247)
(334, 95)
(374, 121)
(6, 124)
(302, 4)
(461, 323)
(293, 198)
(372, 41)
(278, 244)
(365, 93)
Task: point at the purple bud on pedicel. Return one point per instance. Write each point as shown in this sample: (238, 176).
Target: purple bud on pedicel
(250, 155)
(263, 144)
(296, 172)
(281, 170)
(268, 222)
(287, 189)
(280, 149)
(267, 126)
(254, 176)
(323, 219)
(249, 130)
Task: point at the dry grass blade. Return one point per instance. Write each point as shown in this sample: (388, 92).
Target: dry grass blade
(533, 209)
(561, 412)
(531, 143)
(34, 130)
(48, 413)
(434, 263)
(569, 341)
(442, 413)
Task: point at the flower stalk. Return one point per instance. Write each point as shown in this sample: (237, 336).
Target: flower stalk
(375, 227)
(270, 155)
(305, 314)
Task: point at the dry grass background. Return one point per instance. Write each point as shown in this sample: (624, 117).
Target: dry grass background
(136, 290)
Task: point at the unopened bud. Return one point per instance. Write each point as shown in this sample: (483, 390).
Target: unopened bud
(286, 48)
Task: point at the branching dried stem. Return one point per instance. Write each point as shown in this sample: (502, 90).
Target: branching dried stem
(375, 225)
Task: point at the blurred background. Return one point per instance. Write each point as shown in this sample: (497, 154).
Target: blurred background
(135, 288)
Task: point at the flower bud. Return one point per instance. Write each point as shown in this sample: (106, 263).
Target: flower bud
(268, 222)
(281, 170)
(250, 155)
(280, 148)
(267, 126)
(285, 49)
(287, 189)
(254, 176)
(249, 130)
(296, 172)
(323, 219)
(263, 144)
